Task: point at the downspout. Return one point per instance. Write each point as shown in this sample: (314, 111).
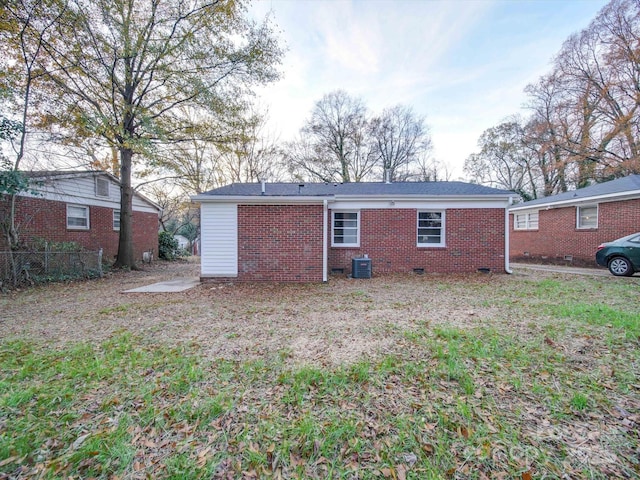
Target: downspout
(325, 233)
(507, 267)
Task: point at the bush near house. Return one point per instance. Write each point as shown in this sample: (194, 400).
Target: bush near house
(168, 247)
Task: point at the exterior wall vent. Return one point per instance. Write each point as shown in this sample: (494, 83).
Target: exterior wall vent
(361, 268)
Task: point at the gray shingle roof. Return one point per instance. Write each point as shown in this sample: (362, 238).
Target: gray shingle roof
(356, 189)
(613, 187)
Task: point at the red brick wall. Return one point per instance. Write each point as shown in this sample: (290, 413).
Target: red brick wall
(474, 239)
(281, 243)
(47, 219)
(557, 235)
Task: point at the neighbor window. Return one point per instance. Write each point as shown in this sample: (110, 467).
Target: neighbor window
(346, 231)
(77, 217)
(587, 217)
(116, 219)
(525, 221)
(430, 229)
(102, 187)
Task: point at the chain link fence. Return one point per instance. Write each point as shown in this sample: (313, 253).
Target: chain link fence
(19, 269)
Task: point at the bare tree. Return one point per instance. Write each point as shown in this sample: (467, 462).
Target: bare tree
(252, 153)
(334, 144)
(400, 143)
(503, 161)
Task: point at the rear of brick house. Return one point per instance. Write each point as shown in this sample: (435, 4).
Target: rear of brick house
(287, 232)
(567, 228)
(81, 207)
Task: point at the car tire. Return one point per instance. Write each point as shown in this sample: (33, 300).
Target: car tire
(620, 267)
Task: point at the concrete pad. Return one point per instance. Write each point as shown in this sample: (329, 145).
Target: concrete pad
(169, 286)
(594, 272)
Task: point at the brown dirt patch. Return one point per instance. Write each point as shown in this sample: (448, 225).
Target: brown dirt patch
(340, 321)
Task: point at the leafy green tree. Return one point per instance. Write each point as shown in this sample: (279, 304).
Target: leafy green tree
(126, 68)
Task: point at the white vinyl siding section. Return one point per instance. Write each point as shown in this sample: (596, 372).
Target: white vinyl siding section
(525, 221)
(219, 240)
(587, 217)
(82, 190)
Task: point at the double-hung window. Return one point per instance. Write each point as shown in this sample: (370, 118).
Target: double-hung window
(78, 217)
(431, 229)
(587, 217)
(346, 229)
(525, 221)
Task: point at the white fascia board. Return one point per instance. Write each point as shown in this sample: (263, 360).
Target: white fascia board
(260, 200)
(610, 197)
(440, 203)
(428, 198)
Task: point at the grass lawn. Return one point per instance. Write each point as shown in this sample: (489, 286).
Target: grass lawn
(525, 376)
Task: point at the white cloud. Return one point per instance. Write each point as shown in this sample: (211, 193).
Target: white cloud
(462, 64)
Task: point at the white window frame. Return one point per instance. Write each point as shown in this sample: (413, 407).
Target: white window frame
(529, 222)
(106, 183)
(116, 215)
(442, 229)
(86, 217)
(579, 215)
(333, 229)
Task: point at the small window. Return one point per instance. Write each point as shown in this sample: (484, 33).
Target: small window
(587, 217)
(430, 229)
(102, 187)
(525, 221)
(77, 217)
(116, 219)
(346, 231)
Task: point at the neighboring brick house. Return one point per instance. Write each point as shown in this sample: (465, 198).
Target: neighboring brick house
(568, 227)
(289, 232)
(81, 207)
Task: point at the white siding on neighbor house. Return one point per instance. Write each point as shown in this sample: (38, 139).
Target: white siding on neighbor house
(219, 240)
(81, 190)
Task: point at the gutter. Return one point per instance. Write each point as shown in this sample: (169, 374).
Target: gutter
(274, 199)
(257, 199)
(507, 267)
(325, 243)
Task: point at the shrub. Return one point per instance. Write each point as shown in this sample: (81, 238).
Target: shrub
(168, 248)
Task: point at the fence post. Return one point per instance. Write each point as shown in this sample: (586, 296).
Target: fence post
(100, 262)
(46, 258)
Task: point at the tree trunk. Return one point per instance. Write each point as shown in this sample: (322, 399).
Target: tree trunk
(126, 258)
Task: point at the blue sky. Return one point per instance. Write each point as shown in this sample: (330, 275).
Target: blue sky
(463, 64)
